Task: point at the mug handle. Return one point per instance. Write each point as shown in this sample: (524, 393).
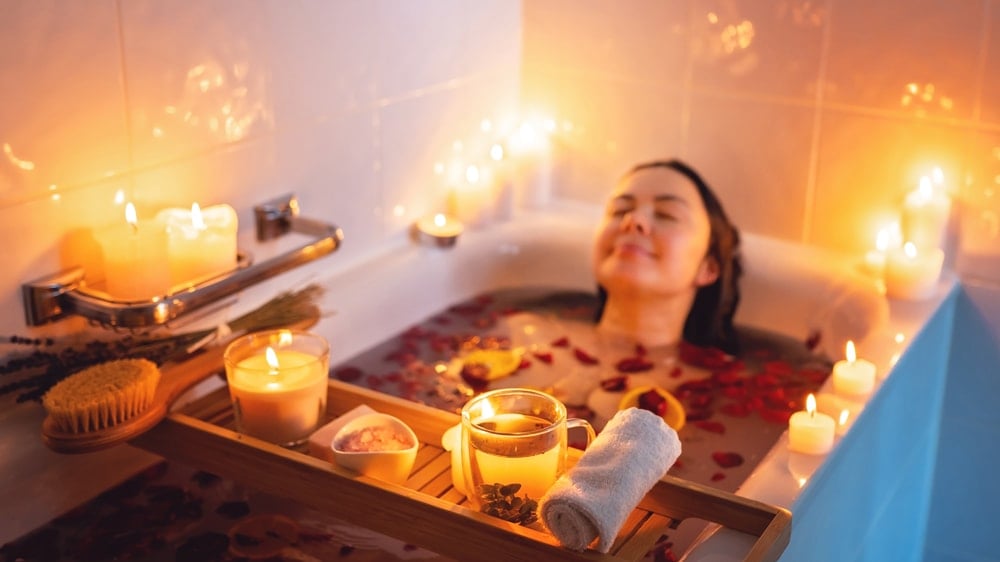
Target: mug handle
(579, 422)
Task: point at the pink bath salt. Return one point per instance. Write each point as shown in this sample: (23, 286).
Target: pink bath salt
(370, 439)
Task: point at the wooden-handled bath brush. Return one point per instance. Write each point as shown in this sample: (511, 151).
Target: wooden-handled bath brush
(113, 402)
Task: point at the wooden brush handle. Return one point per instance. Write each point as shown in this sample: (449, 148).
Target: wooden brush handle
(175, 378)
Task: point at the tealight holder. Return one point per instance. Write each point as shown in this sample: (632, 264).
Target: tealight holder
(439, 230)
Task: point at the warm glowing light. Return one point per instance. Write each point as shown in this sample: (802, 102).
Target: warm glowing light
(488, 411)
(888, 236)
(472, 174)
(284, 337)
(119, 197)
(900, 338)
(496, 152)
(849, 352)
(17, 162)
(440, 368)
(811, 404)
(910, 250)
(272, 358)
(196, 219)
(398, 211)
(894, 359)
(938, 175)
(802, 481)
(912, 88)
(712, 17)
(440, 220)
(130, 214)
(844, 414)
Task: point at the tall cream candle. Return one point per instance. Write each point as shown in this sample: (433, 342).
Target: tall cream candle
(201, 242)
(135, 258)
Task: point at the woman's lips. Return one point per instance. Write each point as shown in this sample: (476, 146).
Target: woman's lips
(631, 249)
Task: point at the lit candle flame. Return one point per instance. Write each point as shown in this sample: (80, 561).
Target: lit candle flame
(849, 352)
(272, 359)
(938, 175)
(439, 220)
(196, 218)
(130, 217)
(843, 417)
(910, 250)
(811, 405)
(284, 337)
(926, 189)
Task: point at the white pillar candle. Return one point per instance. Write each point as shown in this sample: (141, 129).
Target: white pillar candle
(278, 390)
(201, 242)
(853, 376)
(135, 258)
(925, 215)
(911, 274)
(810, 432)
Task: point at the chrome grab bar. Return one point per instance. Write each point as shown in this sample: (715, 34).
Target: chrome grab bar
(56, 296)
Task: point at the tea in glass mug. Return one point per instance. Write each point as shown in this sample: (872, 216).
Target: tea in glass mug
(514, 445)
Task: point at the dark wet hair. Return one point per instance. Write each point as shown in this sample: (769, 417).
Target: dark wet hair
(710, 320)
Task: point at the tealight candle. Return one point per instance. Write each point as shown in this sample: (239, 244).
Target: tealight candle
(887, 238)
(925, 215)
(440, 230)
(201, 242)
(853, 376)
(278, 384)
(135, 259)
(810, 432)
(910, 274)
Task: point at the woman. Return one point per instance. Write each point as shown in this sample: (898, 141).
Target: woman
(666, 259)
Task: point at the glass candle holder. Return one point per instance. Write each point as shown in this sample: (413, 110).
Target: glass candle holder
(278, 384)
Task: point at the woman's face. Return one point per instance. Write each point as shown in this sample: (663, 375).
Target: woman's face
(654, 236)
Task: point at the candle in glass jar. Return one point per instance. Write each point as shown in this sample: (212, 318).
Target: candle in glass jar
(853, 376)
(912, 274)
(809, 431)
(278, 391)
(201, 242)
(135, 258)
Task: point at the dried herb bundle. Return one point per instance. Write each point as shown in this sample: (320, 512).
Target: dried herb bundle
(37, 371)
(501, 500)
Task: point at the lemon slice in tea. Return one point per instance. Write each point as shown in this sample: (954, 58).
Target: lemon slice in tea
(658, 401)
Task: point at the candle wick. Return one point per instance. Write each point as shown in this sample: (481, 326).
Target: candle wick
(135, 228)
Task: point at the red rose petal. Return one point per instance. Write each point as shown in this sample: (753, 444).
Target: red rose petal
(813, 339)
(561, 342)
(640, 350)
(544, 357)
(676, 372)
(614, 384)
(633, 365)
(584, 357)
(727, 459)
(524, 364)
(718, 476)
(712, 426)
(736, 409)
(348, 374)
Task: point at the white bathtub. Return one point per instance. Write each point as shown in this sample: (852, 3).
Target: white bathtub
(790, 289)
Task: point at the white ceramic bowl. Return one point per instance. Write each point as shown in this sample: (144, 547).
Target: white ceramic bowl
(391, 466)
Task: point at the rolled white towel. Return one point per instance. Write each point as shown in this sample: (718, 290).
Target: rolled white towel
(591, 501)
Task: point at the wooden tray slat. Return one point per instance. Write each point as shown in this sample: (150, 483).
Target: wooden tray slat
(427, 510)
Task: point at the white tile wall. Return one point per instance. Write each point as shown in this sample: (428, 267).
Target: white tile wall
(812, 119)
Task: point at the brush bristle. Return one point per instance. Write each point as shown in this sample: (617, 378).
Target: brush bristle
(103, 395)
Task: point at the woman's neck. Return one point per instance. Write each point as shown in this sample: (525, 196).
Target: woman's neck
(652, 322)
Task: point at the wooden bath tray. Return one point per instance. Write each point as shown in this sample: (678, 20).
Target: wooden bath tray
(426, 510)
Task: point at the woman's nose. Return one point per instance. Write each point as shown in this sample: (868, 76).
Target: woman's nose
(635, 221)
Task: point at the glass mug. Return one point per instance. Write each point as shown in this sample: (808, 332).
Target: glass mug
(514, 436)
(278, 384)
